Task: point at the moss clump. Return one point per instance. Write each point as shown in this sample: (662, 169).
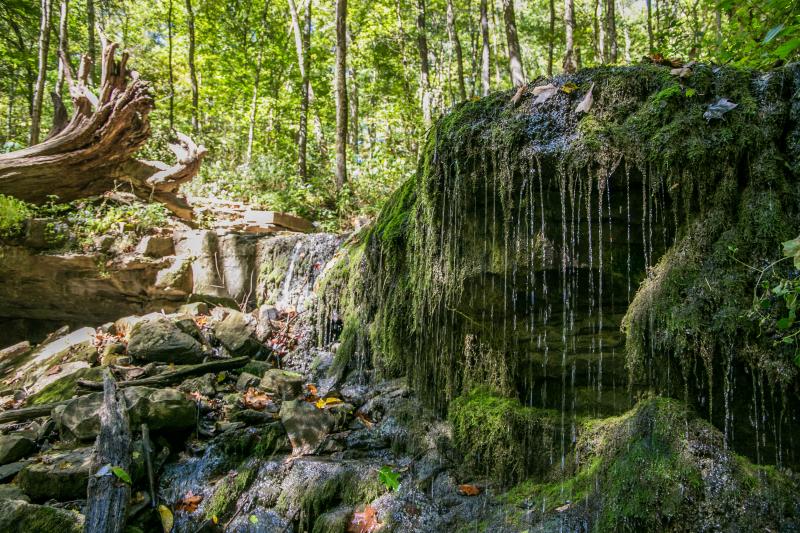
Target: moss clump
(503, 439)
(65, 388)
(228, 490)
(659, 468)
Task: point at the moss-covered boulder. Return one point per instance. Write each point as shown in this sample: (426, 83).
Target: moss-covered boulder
(160, 339)
(17, 516)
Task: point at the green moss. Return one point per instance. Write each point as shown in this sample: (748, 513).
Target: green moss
(227, 491)
(503, 439)
(65, 388)
(13, 213)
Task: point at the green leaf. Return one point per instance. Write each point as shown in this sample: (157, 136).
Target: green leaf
(787, 48)
(389, 477)
(121, 474)
(253, 519)
(784, 323)
(772, 33)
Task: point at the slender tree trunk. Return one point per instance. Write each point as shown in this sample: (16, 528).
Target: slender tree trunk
(718, 28)
(171, 75)
(300, 36)
(44, 47)
(192, 70)
(611, 30)
(570, 64)
(90, 28)
(424, 66)
(514, 54)
(63, 46)
(495, 47)
(551, 38)
(353, 102)
(256, 83)
(473, 52)
(649, 7)
(484, 49)
(341, 93)
(455, 42)
(599, 33)
(12, 93)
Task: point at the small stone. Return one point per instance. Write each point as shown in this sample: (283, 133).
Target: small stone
(194, 309)
(15, 447)
(286, 384)
(246, 380)
(159, 339)
(104, 243)
(305, 425)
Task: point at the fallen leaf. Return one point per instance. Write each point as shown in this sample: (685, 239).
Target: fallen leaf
(214, 519)
(167, 520)
(312, 389)
(365, 419)
(563, 508)
(322, 403)
(389, 477)
(569, 87)
(201, 320)
(518, 95)
(55, 370)
(255, 399)
(253, 519)
(718, 109)
(543, 93)
(469, 490)
(121, 474)
(189, 502)
(365, 522)
(586, 103)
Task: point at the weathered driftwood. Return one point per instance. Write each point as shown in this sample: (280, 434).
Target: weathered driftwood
(93, 152)
(169, 378)
(28, 413)
(108, 495)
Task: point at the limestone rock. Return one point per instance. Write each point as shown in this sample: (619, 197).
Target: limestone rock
(159, 408)
(237, 333)
(60, 475)
(305, 425)
(18, 516)
(286, 384)
(159, 339)
(156, 246)
(15, 447)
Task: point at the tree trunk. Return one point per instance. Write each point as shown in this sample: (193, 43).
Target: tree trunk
(484, 49)
(599, 33)
(551, 38)
(107, 494)
(341, 93)
(256, 82)
(192, 70)
(611, 30)
(90, 30)
(94, 151)
(44, 47)
(570, 64)
(169, 66)
(455, 42)
(514, 54)
(63, 45)
(649, 6)
(301, 42)
(424, 66)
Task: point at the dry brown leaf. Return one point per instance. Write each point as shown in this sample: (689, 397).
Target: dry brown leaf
(255, 399)
(518, 95)
(189, 502)
(365, 522)
(586, 103)
(543, 93)
(312, 389)
(563, 508)
(469, 490)
(365, 419)
(681, 72)
(54, 370)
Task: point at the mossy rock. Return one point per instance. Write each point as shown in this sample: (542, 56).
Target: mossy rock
(17, 516)
(65, 388)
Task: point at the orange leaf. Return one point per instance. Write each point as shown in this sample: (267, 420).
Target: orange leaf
(365, 522)
(254, 399)
(469, 490)
(365, 419)
(312, 389)
(189, 502)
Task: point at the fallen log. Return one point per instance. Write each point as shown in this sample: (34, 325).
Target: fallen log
(93, 152)
(28, 413)
(169, 378)
(109, 491)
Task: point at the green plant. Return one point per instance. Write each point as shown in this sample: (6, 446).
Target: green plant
(389, 477)
(13, 213)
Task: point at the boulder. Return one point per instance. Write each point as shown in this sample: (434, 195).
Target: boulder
(156, 246)
(158, 408)
(18, 516)
(15, 447)
(194, 309)
(159, 339)
(265, 314)
(10, 470)
(9, 491)
(246, 380)
(59, 475)
(286, 384)
(305, 425)
(237, 333)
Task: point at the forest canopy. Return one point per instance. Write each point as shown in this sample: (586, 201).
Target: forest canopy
(319, 108)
